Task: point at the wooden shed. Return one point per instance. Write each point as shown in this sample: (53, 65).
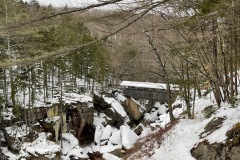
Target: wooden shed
(147, 90)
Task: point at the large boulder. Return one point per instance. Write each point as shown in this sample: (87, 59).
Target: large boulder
(206, 151)
(107, 132)
(119, 97)
(138, 130)
(128, 137)
(136, 110)
(111, 107)
(212, 126)
(229, 150)
(115, 139)
(99, 102)
(116, 118)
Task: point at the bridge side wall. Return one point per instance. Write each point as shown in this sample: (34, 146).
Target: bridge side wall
(158, 95)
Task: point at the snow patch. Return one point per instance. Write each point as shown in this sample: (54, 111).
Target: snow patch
(41, 146)
(71, 147)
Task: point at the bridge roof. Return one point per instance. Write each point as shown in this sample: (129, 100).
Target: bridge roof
(146, 85)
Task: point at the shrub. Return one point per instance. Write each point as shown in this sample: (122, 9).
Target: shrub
(16, 110)
(208, 111)
(145, 146)
(234, 135)
(232, 101)
(206, 93)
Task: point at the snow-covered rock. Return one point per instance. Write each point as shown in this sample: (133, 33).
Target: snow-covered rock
(116, 105)
(106, 133)
(115, 138)
(138, 130)
(112, 108)
(151, 117)
(71, 147)
(98, 133)
(128, 137)
(99, 102)
(99, 118)
(116, 118)
(119, 97)
(134, 109)
(161, 108)
(108, 156)
(41, 146)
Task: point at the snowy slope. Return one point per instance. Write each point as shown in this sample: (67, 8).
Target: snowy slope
(176, 144)
(185, 135)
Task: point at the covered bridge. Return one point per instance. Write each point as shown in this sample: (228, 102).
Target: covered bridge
(147, 90)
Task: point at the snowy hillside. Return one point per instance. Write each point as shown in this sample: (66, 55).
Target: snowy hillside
(117, 142)
(187, 133)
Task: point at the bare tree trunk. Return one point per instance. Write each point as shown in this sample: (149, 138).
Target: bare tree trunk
(24, 108)
(169, 99)
(45, 81)
(0, 135)
(8, 54)
(236, 75)
(188, 93)
(5, 87)
(165, 76)
(236, 44)
(194, 95)
(61, 111)
(93, 85)
(33, 96)
(231, 64)
(217, 77)
(225, 68)
(52, 79)
(29, 98)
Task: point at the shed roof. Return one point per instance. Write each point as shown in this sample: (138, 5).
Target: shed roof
(145, 85)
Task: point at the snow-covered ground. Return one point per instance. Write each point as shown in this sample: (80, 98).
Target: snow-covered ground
(186, 134)
(176, 144)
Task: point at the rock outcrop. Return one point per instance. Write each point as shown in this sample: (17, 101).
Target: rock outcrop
(230, 150)
(213, 125)
(216, 151)
(12, 143)
(134, 110)
(138, 130)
